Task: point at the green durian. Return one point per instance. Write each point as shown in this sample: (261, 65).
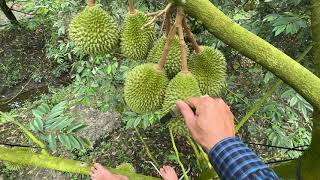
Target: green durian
(209, 68)
(173, 64)
(145, 87)
(182, 87)
(94, 31)
(178, 127)
(136, 42)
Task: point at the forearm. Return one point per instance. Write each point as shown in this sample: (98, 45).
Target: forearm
(233, 160)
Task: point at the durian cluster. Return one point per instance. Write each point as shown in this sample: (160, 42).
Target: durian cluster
(148, 87)
(94, 31)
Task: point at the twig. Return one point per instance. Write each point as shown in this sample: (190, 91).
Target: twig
(131, 7)
(147, 148)
(191, 38)
(179, 19)
(23, 87)
(167, 46)
(177, 155)
(157, 15)
(167, 21)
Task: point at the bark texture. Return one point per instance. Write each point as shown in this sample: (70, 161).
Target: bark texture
(257, 49)
(7, 12)
(57, 163)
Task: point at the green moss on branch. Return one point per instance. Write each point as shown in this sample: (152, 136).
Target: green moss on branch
(57, 163)
(257, 49)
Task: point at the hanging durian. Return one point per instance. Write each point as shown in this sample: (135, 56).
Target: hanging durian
(94, 30)
(209, 68)
(144, 88)
(136, 38)
(173, 64)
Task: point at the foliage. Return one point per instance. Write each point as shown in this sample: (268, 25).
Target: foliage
(53, 125)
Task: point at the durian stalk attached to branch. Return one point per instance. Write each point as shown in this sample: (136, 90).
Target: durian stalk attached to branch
(167, 46)
(157, 14)
(90, 3)
(179, 19)
(131, 7)
(167, 22)
(190, 36)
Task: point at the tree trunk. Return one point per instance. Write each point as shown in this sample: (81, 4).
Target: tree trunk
(57, 163)
(315, 27)
(7, 12)
(257, 49)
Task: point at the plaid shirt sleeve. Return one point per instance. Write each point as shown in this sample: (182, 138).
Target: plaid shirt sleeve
(233, 160)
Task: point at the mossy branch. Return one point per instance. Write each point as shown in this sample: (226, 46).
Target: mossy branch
(269, 93)
(58, 163)
(190, 36)
(177, 155)
(146, 147)
(315, 27)
(257, 49)
(31, 137)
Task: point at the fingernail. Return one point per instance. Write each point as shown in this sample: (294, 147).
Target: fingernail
(205, 95)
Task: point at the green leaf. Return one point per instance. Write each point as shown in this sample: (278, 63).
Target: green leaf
(293, 101)
(37, 113)
(57, 123)
(38, 124)
(74, 142)
(50, 121)
(76, 128)
(85, 142)
(55, 114)
(52, 142)
(44, 108)
(66, 122)
(65, 141)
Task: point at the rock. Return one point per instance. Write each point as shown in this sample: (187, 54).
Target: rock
(99, 123)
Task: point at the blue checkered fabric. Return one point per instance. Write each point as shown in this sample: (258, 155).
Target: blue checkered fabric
(233, 160)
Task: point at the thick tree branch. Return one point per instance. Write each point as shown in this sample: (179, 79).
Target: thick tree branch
(15, 155)
(190, 36)
(315, 27)
(8, 13)
(257, 49)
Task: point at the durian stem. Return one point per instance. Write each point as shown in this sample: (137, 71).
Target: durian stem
(167, 46)
(147, 149)
(157, 15)
(191, 37)
(177, 155)
(179, 18)
(167, 21)
(90, 3)
(131, 7)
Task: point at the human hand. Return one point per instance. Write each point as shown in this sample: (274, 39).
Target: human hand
(212, 121)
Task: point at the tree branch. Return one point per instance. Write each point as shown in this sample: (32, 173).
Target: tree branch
(167, 46)
(190, 36)
(157, 15)
(179, 18)
(257, 49)
(131, 7)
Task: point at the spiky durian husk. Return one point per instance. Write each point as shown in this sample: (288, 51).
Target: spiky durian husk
(181, 87)
(178, 127)
(173, 64)
(127, 167)
(144, 88)
(94, 31)
(209, 68)
(136, 42)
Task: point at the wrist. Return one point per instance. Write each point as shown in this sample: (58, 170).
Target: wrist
(210, 144)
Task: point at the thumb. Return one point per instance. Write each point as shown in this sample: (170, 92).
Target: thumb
(187, 113)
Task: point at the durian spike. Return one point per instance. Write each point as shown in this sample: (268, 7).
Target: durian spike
(90, 3)
(167, 46)
(157, 15)
(131, 7)
(179, 18)
(191, 38)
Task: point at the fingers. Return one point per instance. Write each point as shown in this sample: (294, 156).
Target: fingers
(194, 102)
(187, 113)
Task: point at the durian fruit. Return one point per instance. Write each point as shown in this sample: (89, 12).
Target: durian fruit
(144, 88)
(209, 68)
(94, 31)
(135, 41)
(182, 87)
(178, 127)
(173, 64)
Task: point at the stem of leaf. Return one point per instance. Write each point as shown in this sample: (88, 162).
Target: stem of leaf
(177, 155)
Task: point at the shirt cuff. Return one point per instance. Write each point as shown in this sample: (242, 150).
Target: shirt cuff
(231, 158)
